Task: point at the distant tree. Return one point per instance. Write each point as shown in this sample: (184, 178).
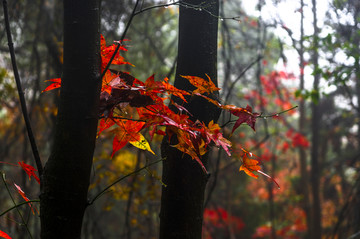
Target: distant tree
(315, 141)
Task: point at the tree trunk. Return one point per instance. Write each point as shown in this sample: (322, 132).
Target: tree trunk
(315, 142)
(183, 197)
(302, 121)
(67, 172)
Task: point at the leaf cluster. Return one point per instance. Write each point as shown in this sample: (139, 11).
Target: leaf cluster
(128, 106)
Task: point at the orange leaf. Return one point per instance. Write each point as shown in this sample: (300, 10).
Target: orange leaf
(214, 134)
(203, 86)
(249, 166)
(56, 84)
(173, 90)
(4, 235)
(30, 171)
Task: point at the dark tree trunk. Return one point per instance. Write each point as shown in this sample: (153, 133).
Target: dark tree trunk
(183, 197)
(67, 172)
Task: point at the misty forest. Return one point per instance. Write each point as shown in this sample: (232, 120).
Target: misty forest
(180, 119)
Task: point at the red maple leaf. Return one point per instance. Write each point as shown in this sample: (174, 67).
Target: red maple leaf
(56, 84)
(126, 131)
(30, 171)
(245, 116)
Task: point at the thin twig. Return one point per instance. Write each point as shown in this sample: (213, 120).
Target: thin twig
(263, 116)
(276, 114)
(16, 206)
(121, 39)
(242, 73)
(21, 93)
(102, 192)
(157, 6)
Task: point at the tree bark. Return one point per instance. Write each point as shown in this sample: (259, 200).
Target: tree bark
(182, 199)
(302, 121)
(315, 141)
(67, 172)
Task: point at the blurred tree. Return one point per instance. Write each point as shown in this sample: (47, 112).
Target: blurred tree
(315, 140)
(342, 54)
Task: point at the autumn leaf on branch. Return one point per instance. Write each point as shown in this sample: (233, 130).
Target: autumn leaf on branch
(106, 54)
(173, 90)
(56, 84)
(249, 166)
(152, 100)
(30, 171)
(192, 146)
(203, 86)
(245, 116)
(21, 192)
(104, 124)
(212, 133)
(128, 131)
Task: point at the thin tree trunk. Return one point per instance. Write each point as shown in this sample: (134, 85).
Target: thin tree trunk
(67, 172)
(315, 169)
(183, 197)
(356, 221)
(302, 121)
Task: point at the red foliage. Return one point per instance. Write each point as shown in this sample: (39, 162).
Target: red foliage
(293, 227)
(30, 171)
(4, 235)
(297, 139)
(221, 220)
(245, 116)
(120, 91)
(300, 140)
(56, 84)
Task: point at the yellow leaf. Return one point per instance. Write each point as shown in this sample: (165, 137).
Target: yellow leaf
(142, 143)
